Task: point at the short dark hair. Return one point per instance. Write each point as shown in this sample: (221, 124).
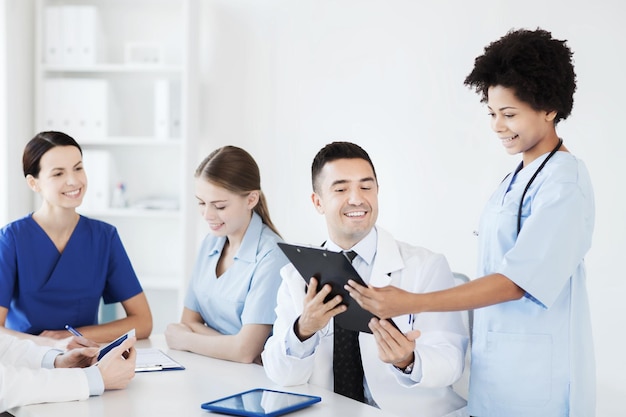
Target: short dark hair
(334, 151)
(39, 145)
(536, 66)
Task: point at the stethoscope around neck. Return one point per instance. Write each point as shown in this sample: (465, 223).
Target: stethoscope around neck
(521, 201)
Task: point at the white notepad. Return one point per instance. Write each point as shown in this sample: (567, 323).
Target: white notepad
(151, 359)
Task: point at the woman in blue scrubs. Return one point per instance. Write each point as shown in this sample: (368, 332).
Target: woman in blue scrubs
(229, 307)
(56, 265)
(532, 350)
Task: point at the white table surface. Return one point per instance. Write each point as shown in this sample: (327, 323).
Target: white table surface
(180, 393)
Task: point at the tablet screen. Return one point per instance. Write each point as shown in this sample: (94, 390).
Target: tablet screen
(261, 402)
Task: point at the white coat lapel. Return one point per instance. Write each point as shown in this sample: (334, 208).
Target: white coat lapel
(296, 284)
(388, 259)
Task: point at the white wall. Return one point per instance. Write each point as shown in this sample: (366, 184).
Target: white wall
(16, 104)
(282, 78)
(4, 217)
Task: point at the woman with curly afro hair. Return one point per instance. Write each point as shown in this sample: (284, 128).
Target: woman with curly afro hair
(532, 350)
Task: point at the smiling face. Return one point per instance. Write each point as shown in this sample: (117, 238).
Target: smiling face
(520, 127)
(347, 195)
(61, 181)
(227, 213)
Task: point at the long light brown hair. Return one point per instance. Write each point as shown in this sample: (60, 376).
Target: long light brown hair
(234, 169)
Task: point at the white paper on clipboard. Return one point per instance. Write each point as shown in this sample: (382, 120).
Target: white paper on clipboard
(152, 359)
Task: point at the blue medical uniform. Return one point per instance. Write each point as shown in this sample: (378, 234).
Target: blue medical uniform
(44, 289)
(534, 356)
(246, 292)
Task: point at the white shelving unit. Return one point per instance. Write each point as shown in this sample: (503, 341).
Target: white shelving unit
(120, 77)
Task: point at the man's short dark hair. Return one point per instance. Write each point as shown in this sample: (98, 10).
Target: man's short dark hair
(334, 151)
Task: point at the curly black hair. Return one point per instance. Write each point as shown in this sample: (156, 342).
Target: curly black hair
(537, 67)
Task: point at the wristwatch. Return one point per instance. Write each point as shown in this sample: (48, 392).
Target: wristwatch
(406, 370)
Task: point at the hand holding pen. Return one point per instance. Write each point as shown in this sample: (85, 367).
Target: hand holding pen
(78, 341)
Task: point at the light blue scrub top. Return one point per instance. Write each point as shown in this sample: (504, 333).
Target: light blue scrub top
(246, 292)
(534, 356)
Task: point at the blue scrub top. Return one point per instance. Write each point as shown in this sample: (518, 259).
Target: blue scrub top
(246, 292)
(44, 289)
(534, 356)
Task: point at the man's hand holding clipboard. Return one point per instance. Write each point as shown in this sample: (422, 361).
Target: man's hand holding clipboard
(334, 269)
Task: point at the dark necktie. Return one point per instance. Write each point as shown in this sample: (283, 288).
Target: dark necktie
(347, 365)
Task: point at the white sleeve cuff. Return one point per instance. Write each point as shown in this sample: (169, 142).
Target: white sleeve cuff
(48, 359)
(415, 377)
(94, 379)
(300, 349)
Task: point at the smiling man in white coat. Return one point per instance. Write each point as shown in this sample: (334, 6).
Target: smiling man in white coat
(407, 371)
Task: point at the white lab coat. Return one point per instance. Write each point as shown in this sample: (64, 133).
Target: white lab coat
(22, 381)
(441, 346)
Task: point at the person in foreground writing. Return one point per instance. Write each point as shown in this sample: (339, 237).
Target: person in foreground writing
(30, 373)
(406, 372)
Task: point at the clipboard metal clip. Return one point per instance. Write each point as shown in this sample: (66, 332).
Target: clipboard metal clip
(149, 368)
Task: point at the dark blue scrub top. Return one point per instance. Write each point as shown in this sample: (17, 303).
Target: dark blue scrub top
(44, 289)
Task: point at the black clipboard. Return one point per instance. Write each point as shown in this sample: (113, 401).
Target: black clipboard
(260, 402)
(332, 268)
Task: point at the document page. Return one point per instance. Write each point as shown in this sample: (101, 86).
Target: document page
(151, 359)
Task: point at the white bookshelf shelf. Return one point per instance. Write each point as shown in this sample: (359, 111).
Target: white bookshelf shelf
(132, 141)
(124, 85)
(114, 68)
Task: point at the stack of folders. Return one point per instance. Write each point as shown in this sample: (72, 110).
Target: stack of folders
(76, 106)
(98, 165)
(71, 34)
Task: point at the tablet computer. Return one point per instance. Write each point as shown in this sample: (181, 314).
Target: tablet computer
(332, 268)
(261, 402)
(104, 350)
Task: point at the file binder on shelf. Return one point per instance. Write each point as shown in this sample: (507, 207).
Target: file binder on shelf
(72, 35)
(97, 165)
(76, 106)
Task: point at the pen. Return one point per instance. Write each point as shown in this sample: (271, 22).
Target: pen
(73, 330)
